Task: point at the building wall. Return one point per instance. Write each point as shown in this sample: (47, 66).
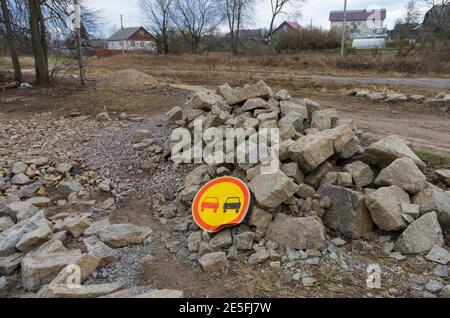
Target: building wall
(132, 45)
(360, 29)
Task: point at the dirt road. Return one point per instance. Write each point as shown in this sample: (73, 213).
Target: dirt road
(425, 128)
(429, 82)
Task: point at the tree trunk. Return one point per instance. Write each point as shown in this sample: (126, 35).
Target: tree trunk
(11, 43)
(43, 33)
(166, 44)
(195, 44)
(234, 38)
(272, 22)
(39, 48)
(271, 34)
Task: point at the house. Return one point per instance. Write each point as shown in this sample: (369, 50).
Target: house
(252, 35)
(132, 39)
(98, 44)
(287, 26)
(404, 31)
(360, 23)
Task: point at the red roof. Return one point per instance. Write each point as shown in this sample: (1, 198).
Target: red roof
(294, 25)
(358, 15)
(290, 24)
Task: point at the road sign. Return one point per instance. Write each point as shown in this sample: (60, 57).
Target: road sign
(221, 203)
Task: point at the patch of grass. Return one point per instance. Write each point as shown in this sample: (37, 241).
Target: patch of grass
(327, 280)
(28, 61)
(382, 258)
(434, 161)
(262, 284)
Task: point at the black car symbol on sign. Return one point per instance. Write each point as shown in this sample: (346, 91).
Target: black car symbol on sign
(232, 204)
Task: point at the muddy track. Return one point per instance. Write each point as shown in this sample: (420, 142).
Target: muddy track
(429, 82)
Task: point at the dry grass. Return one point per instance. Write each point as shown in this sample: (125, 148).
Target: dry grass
(66, 97)
(305, 63)
(26, 62)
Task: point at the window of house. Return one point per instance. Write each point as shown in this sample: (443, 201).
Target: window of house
(141, 33)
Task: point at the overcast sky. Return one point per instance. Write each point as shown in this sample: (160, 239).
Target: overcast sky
(317, 10)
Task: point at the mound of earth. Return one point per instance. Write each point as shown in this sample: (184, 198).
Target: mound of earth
(128, 80)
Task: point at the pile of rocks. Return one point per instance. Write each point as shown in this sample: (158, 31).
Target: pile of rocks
(327, 183)
(44, 210)
(441, 100)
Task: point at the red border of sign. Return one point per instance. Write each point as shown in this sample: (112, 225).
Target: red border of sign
(238, 220)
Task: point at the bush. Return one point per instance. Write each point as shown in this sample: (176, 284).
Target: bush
(306, 40)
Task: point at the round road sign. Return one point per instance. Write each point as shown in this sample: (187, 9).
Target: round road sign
(221, 203)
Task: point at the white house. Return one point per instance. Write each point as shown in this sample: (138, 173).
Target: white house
(132, 39)
(360, 23)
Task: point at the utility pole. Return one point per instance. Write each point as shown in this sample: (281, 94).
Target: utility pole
(124, 35)
(79, 40)
(344, 31)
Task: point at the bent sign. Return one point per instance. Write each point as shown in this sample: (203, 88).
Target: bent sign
(221, 203)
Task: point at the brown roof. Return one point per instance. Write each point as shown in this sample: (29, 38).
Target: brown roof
(357, 15)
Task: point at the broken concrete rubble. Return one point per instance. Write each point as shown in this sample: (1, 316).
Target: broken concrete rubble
(86, 291)
(236, 96)
(326, 179)
(434, 199)
(348, 213)
(362, 173)
(298, 233)
(214, 262)
(271, 190)
(311, 151)
(42, 269)
(385, 206)
(100, 250)
(120, 235)
(389, 149)
(319, 193)
(421, 236)
(403, 173)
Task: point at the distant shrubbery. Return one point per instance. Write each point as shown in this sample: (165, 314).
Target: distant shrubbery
(307, 40)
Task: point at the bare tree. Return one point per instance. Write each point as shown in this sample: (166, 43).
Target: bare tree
(437, 19)
(280, 7)
(46, 22)
(38, 36)
(194, 19)
(158, 13)
(436, 2)
(235, 11)
(11, 41)
(412, 12)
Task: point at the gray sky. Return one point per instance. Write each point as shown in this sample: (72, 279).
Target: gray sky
(317, 10)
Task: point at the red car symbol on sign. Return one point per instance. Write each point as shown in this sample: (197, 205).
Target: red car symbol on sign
(210, 204)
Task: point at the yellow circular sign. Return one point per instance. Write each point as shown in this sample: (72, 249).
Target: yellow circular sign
(221, 203)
